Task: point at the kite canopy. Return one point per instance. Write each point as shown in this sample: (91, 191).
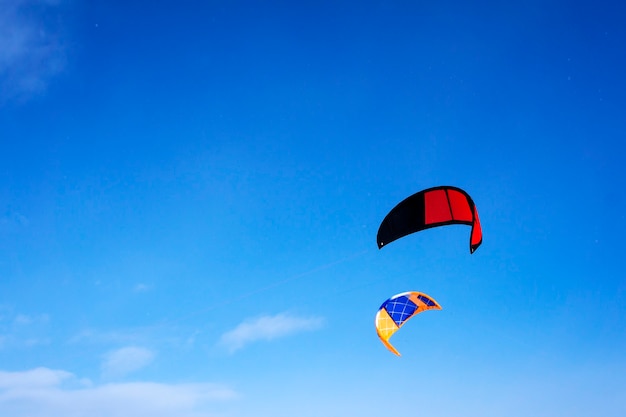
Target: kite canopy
(398, 310)
(437, 206)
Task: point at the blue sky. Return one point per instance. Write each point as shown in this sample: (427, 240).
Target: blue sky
(190, 194)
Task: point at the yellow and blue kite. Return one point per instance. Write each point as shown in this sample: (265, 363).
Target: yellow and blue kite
(397, 310)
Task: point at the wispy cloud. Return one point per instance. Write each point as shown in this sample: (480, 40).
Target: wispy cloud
(23, 330)
(123, 361)
(31, 50)
(24, 319)
(45, 392)
(11, 220)
(142, 287)
(267, 328)
(131, 336)
(163, 335)
(34, 378)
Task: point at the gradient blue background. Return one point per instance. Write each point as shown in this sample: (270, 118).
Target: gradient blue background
(171, 170)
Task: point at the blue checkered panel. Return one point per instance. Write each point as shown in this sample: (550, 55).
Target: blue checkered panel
(400, 309)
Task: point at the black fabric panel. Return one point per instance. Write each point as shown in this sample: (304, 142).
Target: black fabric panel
(405, 218)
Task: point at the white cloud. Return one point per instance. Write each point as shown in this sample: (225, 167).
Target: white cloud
(123, 361)
(267, 328)
(42, 392)
(34, 378)
(30, 50)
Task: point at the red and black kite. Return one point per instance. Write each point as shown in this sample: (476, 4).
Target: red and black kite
(437, 206)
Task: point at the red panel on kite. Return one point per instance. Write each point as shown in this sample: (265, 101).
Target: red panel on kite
(461, 211)
(477, 231)
(437, 206)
